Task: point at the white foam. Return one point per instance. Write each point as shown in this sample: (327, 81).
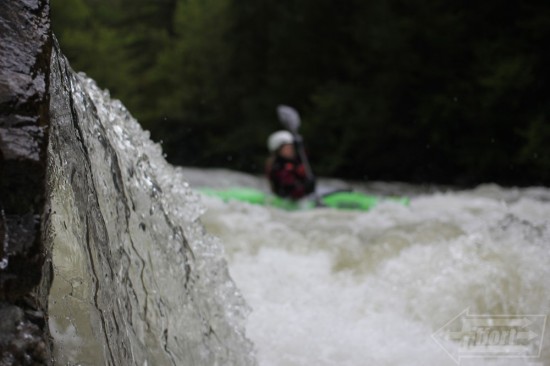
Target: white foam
(370, 288)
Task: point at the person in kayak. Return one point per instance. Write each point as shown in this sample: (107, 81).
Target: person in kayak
(284, 170)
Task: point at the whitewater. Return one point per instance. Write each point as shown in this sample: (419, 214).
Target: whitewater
(332, 287)
(148, 271)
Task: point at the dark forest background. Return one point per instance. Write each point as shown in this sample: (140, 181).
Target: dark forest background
(452, 92)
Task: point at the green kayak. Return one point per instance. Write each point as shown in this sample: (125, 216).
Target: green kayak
(345, 200)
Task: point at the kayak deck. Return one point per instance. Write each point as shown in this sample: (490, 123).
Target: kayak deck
(344, 200)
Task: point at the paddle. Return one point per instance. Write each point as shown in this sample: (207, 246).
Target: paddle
(290, 119)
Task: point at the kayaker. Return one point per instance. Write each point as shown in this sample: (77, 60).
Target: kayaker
(286, 173)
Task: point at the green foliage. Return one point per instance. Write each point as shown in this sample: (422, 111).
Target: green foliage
(412, 90)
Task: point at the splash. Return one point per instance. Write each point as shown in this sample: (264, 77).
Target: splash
(372, 288)
(137, 280)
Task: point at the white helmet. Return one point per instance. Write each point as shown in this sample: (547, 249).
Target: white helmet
(278, 139)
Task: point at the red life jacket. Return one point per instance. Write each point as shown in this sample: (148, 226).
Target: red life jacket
(287, 178)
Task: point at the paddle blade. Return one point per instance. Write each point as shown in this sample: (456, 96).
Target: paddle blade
(289, 117)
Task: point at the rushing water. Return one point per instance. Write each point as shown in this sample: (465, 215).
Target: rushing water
(371, 288)
(139, 281)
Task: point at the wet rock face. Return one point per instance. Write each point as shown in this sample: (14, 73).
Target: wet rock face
(25, 49)
(21, 336)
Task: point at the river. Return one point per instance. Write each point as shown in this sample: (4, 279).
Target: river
(150, 272)
(334, 287)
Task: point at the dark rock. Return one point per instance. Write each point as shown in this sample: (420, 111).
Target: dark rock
(21, 339)
(25, 49)
(25, 46)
